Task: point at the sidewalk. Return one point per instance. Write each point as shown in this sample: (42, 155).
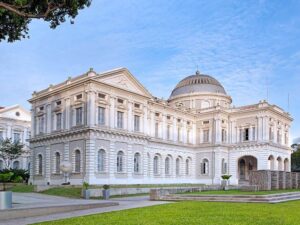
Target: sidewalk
(30, 200)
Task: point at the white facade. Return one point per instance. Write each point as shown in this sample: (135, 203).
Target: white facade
(114, 131)
(15, 123)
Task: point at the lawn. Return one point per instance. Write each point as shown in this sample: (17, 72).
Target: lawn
(200, 213)
(70, 192)
(239, 192)
(22, 188)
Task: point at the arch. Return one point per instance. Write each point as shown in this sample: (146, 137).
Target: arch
(271, 162)
(77, 161)
(40, 164)
(286, 164)
(57, 162)
(279, 163)
(137, 162)
(246, 164)
(101, 160)
(167, 165)
(178, 166)
(156, 165)
(16, 165)
(187, 166)
(205, 166)
(224, 166)
(120, 162)
(1, 164)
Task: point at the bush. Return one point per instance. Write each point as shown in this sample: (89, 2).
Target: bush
(17, 173)
(85, 185)
(226, 177)
(106, 187)
(18, 179)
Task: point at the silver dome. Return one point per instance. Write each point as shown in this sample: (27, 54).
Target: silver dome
(198, 83)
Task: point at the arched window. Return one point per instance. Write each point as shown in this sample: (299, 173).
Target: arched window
(177, 167)
(155, 165)
(101, 160)
(40, 164)
(1, 165)
(279, 162)
(120, 162)
(167, 166)
(286, 165)
(16, 165)
(204, 167)
(187, 167)
(271, 162)
(137, 162)
(57, 162)
(77, 161)
(224, 166)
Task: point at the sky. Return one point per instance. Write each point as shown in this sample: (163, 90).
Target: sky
(252, 47)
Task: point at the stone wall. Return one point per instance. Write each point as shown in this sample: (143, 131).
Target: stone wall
(274, 180)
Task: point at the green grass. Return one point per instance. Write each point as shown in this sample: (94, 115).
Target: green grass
(239, 192)
(198, 213)
(70, 192)
(22, 188)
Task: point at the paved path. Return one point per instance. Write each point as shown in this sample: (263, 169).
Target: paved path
(37, 200)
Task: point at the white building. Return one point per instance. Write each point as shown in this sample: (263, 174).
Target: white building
(114, 131)
(15, 122)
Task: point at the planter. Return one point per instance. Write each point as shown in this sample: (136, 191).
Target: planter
(86, 194)
(5, 200)
(106, 194)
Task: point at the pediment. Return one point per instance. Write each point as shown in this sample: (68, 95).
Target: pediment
(123, 79)
(15, 112)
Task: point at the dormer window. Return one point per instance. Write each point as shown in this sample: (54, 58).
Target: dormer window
(78, 97)
(100, 95)
(157, 114)
(136, 105)
(41, 108)
(178, 120)
(206, 122)
(58, 103)
(168, 117)
(188, 122)
(120, 101)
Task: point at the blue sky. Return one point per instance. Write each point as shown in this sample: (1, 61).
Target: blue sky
(247, 45)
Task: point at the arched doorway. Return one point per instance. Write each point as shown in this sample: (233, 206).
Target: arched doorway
(245, 165)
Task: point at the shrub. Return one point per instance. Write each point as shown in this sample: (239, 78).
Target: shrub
(18, 179)
(17, 172)
(226, 177)
(85, 185)
(5, 177)
(106, 187)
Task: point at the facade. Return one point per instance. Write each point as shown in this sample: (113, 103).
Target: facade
(113, 131)
(15, 123)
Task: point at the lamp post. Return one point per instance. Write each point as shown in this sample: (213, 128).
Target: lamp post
(66, 168)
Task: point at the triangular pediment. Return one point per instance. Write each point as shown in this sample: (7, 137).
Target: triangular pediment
(122, 78)
(15, 112)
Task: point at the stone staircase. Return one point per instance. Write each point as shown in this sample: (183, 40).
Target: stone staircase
(272, 198)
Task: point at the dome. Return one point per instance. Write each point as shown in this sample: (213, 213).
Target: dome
(198, 83)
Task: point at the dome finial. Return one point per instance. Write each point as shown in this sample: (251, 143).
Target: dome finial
(197, 71)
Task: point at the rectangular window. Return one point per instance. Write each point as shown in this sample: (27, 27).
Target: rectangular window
(101, 115)
(246, 134)
(136, 123)
(188, 136)
(224, 135)
(17, 137)
(156, 130)
(78, 97)
(136, 105)
(120, 116)
(168, 132)
(206, 136)
(79, 116)
(58, 103)
(120, 101)
(253, 134)
(179, 134)
(1, 136)
(100, 95)
(41, 122)
(286, 138)
(58, 121)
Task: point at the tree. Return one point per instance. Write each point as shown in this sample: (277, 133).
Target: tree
(295, 158)
(15, 15)
(10, 150)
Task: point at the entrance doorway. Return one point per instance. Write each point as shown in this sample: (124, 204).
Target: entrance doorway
(245, 165)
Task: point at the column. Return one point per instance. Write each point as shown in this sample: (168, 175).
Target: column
(145, 120)
(260, 129)
(266, 128)
(48, 119)
(174, 129)
(68, 114)
(90, 161)
(184, 132)
(218, 132)
(164, 127)
(152, 125)
(91, 108)
(33, 131)
(130, 117)
(47, 162)
(112, 112)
